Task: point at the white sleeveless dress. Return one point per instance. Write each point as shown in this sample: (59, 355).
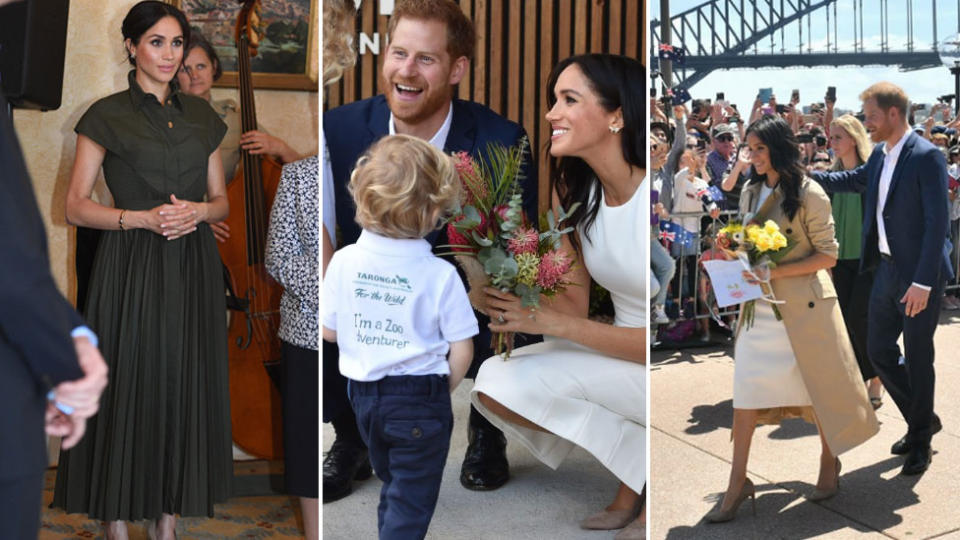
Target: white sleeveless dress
(579, 395)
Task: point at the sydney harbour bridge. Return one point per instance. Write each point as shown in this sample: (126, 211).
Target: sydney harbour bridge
(730, 34)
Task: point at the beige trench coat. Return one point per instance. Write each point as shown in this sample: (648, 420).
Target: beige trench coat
(814, 322)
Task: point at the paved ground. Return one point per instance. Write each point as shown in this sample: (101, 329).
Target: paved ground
(691, 451)
(536, 504)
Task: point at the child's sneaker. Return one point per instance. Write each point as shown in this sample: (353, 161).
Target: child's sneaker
(660, 315)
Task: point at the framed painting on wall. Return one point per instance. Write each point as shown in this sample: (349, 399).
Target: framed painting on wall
(285, 59)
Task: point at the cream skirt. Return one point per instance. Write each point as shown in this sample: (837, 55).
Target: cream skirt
(765, 370)
(580, 396)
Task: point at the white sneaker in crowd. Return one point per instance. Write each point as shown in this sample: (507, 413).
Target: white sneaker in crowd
(659, 315)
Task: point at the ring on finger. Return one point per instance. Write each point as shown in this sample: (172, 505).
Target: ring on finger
(500, 319)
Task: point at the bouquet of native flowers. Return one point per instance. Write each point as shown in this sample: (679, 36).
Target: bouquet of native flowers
(756, 246)
(492, 241)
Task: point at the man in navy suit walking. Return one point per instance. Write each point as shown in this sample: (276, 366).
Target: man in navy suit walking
(429, 48)
(904, 237)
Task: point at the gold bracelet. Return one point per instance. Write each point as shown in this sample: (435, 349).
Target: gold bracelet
(120, 221)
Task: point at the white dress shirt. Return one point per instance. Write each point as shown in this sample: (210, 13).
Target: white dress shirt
(890, 157)
(439, 139)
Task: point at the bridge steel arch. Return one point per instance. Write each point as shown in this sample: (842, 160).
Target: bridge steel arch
(725, 34)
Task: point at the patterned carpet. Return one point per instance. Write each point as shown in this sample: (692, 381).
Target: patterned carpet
(257, 510)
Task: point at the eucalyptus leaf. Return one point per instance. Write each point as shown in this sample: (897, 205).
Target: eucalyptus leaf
(531, 298)
(480, 239)
(470, 213)
(488, 253)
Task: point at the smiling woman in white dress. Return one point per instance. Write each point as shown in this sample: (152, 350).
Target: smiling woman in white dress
(585, 384)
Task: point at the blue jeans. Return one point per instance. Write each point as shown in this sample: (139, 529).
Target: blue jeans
(406, 422)
(663, 268)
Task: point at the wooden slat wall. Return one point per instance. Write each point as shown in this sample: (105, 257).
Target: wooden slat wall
(518, 42)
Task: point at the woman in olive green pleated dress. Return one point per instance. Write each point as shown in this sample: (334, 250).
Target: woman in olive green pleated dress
(161, 444)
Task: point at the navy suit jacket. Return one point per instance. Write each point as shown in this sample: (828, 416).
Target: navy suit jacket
(36, 350)
(916, 213)
(351, 129)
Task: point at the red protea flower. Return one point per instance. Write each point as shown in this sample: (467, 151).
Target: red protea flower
(474, 186)
(525, 240)
(553, 266)
(458, 241)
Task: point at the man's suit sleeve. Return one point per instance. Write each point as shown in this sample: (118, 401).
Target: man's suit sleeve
(35, 319)
(933, 186)
(853, 180)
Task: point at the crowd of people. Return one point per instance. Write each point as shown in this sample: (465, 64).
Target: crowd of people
(711, 152)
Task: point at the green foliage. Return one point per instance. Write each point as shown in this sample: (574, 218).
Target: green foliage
(504, 168)
(529, 295)
(514, 215)
(549, 224)
(471, 219)
(500, 266)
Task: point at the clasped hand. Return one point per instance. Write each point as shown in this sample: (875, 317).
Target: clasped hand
(507, 314)
(758, 274)
(177, 219)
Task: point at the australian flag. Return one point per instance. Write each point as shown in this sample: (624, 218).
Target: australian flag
(680, 95)
(675, 54)
(711, 194)
(673, 232)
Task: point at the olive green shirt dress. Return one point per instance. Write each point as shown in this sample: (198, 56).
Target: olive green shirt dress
(161, 442)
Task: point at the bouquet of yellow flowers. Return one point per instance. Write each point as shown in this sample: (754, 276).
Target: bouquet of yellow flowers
(755, 245)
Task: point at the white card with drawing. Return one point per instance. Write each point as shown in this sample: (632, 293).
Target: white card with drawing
(728, 284)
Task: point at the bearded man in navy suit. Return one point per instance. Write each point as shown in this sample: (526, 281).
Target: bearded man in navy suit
(429, 48)
(905, 239)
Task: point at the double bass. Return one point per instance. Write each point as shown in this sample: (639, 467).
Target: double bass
(254, 348)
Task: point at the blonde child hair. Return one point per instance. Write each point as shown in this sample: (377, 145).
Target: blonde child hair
(402, 185)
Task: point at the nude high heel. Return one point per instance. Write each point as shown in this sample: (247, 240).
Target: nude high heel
(608, 520)
(824, 494)
(720, 516)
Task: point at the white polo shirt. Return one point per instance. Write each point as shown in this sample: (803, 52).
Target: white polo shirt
(395, 307)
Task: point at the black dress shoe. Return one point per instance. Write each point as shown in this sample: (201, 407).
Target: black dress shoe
(485, 464)
(902, 446)
(344, 463)
(918, 460)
